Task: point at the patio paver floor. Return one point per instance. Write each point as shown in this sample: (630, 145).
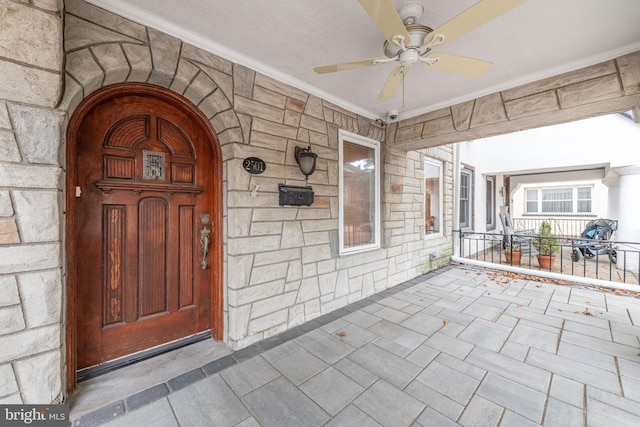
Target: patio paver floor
(454, 347)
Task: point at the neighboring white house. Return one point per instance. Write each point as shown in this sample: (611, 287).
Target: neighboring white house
(583, 169)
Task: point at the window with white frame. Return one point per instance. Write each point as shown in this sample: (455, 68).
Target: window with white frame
(433, 196)
(558, 200)
(490, 202)
(466, 198)
(359, 202)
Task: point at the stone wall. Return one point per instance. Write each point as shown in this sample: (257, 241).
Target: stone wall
(281, 264)
(31, 292)
(610, 87)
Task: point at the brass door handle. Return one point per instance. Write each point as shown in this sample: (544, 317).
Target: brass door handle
(205, 239)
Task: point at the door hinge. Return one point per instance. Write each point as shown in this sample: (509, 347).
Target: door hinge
(78, 191)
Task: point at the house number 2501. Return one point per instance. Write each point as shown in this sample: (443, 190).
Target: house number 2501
(254, 165)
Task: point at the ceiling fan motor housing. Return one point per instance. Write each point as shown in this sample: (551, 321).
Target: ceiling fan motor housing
(417, 33)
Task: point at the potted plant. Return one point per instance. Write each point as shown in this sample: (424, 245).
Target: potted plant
(512, 253)
(547, 245)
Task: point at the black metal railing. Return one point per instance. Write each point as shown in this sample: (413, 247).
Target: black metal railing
(614, 261)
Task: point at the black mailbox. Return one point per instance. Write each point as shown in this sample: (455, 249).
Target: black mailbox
(295, 196)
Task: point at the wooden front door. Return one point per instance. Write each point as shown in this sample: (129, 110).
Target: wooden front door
(143, 211)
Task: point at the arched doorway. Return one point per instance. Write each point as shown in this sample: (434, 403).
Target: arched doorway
(143, 224)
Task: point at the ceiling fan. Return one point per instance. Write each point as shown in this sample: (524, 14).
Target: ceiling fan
(408, 42)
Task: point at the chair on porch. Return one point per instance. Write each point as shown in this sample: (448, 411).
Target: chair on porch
(524, 238)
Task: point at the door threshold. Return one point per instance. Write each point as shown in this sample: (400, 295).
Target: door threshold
(104, 368)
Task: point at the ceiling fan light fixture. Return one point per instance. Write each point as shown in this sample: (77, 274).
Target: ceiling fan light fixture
(417, 34)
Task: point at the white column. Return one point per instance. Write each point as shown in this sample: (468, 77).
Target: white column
(627, 214)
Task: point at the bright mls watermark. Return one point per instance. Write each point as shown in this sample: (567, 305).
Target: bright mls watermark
(34, 415)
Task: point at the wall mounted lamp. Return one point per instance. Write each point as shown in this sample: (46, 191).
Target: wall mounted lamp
(306, 161)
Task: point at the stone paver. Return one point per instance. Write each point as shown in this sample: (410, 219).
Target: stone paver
(455, 347)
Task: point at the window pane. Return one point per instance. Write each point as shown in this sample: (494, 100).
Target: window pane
(490, 202)
(557, 200)
(465, 199)
(532, 201)
(432, 182)
(359, 188)
(584, 199)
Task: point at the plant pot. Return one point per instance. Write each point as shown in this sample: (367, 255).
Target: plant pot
(546, 261)
(513, 257)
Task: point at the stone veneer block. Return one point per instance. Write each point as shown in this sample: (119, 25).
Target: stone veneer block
(313, 124)
(313, 108)
(540, 103)
(295, 105)
(185, 73)
(8, 383)
(5, 123)
(408, 133)
(461, 114)
(243, 78)
(488, 110)
(52, 5)
(269, 97)
(8, 147)
(8, 232)
(41, 297)
(45, 225)
(139, 58)
(106, 19)
(222, 80)
(268, 273)
(165, 53)
(31, 36)
(629, 67)
(438, 127)
(81, 34)
(255, 293)
(21, 176)
(36, 371)
(29, 85)
(24, 343)
(274, 128)
(113, 61)
(199, 87)
(16, 259)
(258, 110)
(206, 58)
(561, 80)
(588, 92)
(8, 292)
(38, 133)
(11, 320)
(82, 66)
(279, 87)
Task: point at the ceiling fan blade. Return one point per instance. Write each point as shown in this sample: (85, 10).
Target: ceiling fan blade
(478, 14)
(393, 83)
(457, 64)
(383, 13)
(347, 65)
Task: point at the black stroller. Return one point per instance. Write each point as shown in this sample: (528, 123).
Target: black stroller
(595, 240)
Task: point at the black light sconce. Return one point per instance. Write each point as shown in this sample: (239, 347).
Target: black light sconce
(306, 161)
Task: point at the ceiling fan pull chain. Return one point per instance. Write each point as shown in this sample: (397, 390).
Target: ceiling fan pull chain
(402, 91)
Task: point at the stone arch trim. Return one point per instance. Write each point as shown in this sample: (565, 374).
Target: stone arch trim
(102, 48)
(609, 87)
